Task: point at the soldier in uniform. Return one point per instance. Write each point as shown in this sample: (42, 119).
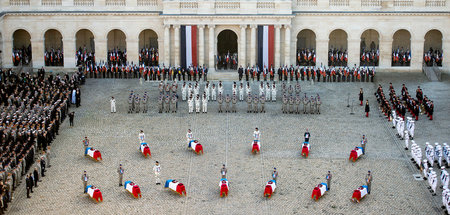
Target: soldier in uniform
(120, 170)
(291, 104)
(113, 105)
(205, 103)
(363, 144)
(167, 103)
(255, 103)
(249, 103)
(197, 104)
(161, 87)
(213, 92)
(312, 105)
(157, 170)
(267, 95)
(263, 101)
(241, 92)
(285, 101)
(144, 102)
(298, 100)
(369, 181)
(84, 178)
(318, 103)
(174, 103)
(274, 92)
(305, 103)
(160, 103)
(298, 88)
(130, 104)
(183, 91)
(227, 103)
(248, 89)
(233, 103)
(85, 144)
(290, 90)
(220, 101)
(223, 171)
(328, 177)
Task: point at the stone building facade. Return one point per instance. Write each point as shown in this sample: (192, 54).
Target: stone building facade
(100, 25)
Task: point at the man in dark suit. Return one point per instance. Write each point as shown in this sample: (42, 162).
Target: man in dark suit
(36, 176)
(29, 184)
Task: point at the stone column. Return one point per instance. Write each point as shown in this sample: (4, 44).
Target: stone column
(353, 52)
(132, 50)
(322, 51)
(69, 52)
(385, 52)
(211, 46)
(37, 52)
(101, 49)
(176, 41)
(287, 45)
(166, 49)
(7, 53)
(446, 61)
(242, 45)
(417, 53)
(277, 59)
(201, 45)
(253, 45)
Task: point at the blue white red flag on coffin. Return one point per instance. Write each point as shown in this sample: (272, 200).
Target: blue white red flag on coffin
(265, 46)
(188, 45)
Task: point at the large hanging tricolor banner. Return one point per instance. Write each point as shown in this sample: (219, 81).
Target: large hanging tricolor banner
(188, 45)
(265, 46)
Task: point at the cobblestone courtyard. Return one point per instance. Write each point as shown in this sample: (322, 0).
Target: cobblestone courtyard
(226, 139)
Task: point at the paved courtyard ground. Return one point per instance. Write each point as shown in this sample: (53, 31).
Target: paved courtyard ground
(226, 139)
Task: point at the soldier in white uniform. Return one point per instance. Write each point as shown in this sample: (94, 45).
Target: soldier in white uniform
(184, 91)
(213, 92)
(438, 154)
(191, 104)
(189, 90)
(196, 89)
(411, 129)
(445, 199)
(446, 153)
(394, 117)
(205, 103)
(274, 92)
(207, 90)
(197, 104)
(157, 170)
(406, 140)
(141, 136)
(424, 169)
(433, 182)
(256, 135)
(189, 136)
(261, 88)
(267, 95)
(113, 105)
(234, 89)
(444, 178)
(241, 92)
(429, 152)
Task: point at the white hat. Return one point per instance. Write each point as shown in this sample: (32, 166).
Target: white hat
(427, 143)
(435, 144)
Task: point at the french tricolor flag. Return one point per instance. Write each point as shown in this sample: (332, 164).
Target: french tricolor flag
(188, 47)
(265, 46)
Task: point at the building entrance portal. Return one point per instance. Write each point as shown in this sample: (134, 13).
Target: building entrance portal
(227, 49)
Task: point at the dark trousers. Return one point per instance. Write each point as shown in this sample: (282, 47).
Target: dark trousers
(71, 122)
(28, 192)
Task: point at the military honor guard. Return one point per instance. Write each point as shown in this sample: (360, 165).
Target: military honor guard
(120, 170)
(113, 105)
(84, 178)
(220, 101)
(141, 136)
(157, 171)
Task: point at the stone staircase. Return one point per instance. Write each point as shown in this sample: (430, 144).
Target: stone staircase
(433, 73)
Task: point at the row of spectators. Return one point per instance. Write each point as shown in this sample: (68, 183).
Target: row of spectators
(21, 56)
(54, 57)
(227, 61)
(148, 73)
(32, 109)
